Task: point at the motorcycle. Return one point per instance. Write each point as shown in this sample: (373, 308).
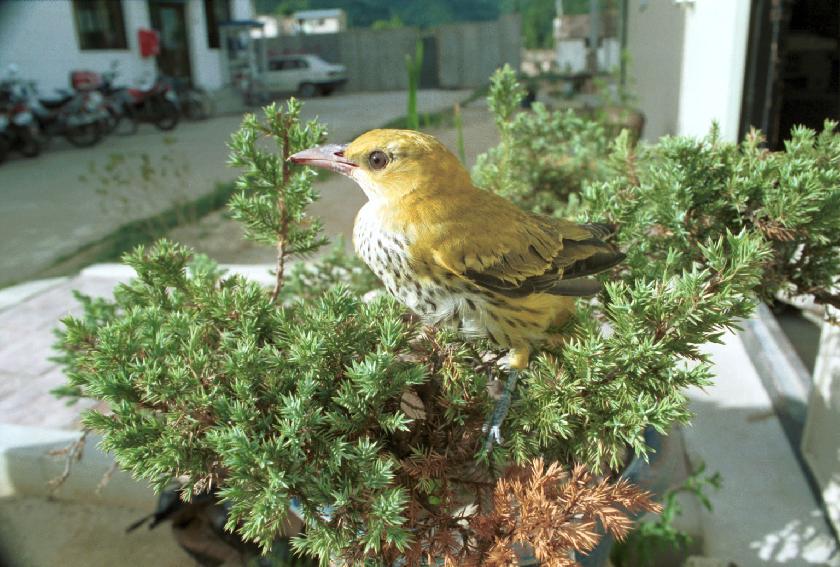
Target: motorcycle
(76, 116)
(24, 129)
(5, 141)
(195, 102)
(18, 127)
(156, 103)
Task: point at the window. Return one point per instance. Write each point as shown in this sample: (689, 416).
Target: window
(215, 12)
(287, 64)
(99, 24)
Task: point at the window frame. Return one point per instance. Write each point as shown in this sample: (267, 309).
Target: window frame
(211, 21)
(114, 14)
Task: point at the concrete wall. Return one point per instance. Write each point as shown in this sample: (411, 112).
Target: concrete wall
(655, 36)
(40, 37)
(713, 60)
(466, 54)
(375, 59)
(687, 64)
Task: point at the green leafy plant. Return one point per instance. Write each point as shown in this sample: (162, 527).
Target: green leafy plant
(544, 157)
(339, 403)
(659, 534)
(413, 66)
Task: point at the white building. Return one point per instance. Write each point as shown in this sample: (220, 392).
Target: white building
(46, 40)
(746, 64)
(687, 64)
(320, 21)
(571, 40)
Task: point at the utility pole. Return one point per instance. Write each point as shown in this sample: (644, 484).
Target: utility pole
(594, 34)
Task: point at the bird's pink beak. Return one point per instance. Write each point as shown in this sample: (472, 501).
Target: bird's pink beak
(329, 157)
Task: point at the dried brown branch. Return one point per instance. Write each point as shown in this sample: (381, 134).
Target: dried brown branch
(71, 453)
(555, 513)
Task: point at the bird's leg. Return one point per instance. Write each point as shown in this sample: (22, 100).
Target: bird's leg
(518, 362)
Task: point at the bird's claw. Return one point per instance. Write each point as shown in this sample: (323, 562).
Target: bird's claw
(494, 436)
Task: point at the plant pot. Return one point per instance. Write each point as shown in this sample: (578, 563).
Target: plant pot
(637, 471)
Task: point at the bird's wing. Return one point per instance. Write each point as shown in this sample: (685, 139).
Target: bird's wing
(530, 254)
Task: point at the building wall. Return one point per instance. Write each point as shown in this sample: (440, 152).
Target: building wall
(40, 38)
(655, 36)
(468, 53)
(323, 25)
(571, 55)
(206, 63)
(687, 64)
(465, 55)
(713, 59)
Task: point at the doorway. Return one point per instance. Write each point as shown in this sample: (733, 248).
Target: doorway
(793, 67)
(169, 19)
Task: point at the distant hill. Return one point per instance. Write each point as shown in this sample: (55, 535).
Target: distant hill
(420, 13)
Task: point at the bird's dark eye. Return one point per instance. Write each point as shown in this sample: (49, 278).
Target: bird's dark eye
(377, 159)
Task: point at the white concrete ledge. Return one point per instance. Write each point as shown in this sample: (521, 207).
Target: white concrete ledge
(765, 512)
(260, 273)
(26, 469)
(15, 294)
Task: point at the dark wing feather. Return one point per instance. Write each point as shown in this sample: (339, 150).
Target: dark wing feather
(584, 254)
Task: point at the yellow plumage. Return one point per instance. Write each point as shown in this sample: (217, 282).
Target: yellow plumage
(512, 260)
(455, 253)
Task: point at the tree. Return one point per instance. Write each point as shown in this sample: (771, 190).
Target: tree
(228, 387)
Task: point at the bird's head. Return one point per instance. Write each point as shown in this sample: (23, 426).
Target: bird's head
(388, 164)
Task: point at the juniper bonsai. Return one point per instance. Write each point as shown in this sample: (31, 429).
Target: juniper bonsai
(329, 398)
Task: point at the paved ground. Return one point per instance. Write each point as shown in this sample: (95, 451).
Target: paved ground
(47, 212)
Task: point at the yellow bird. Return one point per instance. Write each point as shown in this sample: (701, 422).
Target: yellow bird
(454, 253)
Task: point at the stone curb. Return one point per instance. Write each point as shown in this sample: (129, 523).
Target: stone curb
(27, 467)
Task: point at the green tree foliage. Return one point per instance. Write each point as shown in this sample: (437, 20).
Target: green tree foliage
(544, 157)
(537, 27)
(363, 13)
(371, 424)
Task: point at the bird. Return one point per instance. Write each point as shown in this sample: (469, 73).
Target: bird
(456, 254)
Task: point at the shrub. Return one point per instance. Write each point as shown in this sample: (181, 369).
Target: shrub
(371, 424)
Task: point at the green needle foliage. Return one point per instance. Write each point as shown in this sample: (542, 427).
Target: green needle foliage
(273, 196)
(544, 157)
(326, 397)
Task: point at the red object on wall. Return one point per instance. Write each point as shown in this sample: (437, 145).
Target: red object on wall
(149, 42)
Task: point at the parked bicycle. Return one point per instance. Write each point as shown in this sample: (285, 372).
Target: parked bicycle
(195, 102)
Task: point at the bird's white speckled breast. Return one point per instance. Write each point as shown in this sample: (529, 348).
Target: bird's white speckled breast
(437, 298)
(386, 254)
